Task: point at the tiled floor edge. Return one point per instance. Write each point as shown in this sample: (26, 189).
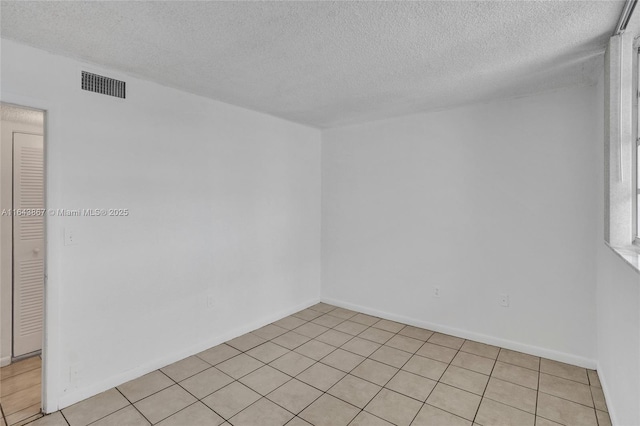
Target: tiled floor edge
(465, 334)
(114, 381)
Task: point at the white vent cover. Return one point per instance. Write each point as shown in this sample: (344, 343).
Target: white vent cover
(103, 85)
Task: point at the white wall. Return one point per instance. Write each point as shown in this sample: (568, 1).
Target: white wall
(224, 201)
(481, 200)
(618, 310)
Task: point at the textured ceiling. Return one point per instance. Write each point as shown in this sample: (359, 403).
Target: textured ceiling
(331, 63)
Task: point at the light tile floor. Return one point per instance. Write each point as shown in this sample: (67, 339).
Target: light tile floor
(20, 391)
(331, 366)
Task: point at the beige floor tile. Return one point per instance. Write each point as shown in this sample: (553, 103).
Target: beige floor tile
(231, 399)
(473, 362)
(53, 419)
(323, 307)
(292, 363)
(29, 420)
(20, 382)
(603, 418)
(426, 367)
(416, 333)
(308, 314)
(294, 395)
(289, 322)
(334, 338)
(394, 407)
(387, 325)
(454, 400)
(511, 394)
(127, 416)
(196, 414)
(239, 366)
(481, 349)
(328, 321)
(144, 386)
(343, 313)
(187, 367)
(164, 403)
(598, 399)
(246, 341)
(446, 340)
(311, 330)
(265, 379)
(218, 354)
(269, 331)
(518, 358)
(21, 400)
(374, 372)
(28, 413)
(264, 413)
(376, 335)
(540, 421)
(432, 416)
(494, 413)
(566, 371)
(594, 380)
(354, 390)
(20, 367)
(411, 385)
(360, 346)
(206, 382)
(329, 411)
(315, 349)
(437, 352)
(351, 327)
(342, 360)
(391, 356)
(465, 379)
(321, 376)
(407, 344)
(565, 412)
(514, 374)
(567, 389)
(267, 352)
(95, 408)
(365, 319)
(291, 340)
(366, 419)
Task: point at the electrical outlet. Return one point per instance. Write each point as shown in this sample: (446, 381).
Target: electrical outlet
(504, 300)
(210, 301)
(436, 291)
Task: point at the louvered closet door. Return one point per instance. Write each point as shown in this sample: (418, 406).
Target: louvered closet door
(28, 244)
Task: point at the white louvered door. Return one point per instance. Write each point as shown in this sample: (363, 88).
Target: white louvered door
(28, 243)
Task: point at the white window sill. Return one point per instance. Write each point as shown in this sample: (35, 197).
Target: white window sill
(630, 254)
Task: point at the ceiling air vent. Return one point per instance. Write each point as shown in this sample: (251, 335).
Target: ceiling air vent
(104, 85)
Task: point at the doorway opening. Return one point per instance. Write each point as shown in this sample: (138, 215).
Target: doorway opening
(22, 262)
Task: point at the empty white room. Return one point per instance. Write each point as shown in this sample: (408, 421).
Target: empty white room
(326, 213)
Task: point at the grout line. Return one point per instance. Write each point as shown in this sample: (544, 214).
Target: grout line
(538, 391)
(131, 404)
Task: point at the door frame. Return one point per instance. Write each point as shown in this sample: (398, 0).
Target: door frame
(51, 348)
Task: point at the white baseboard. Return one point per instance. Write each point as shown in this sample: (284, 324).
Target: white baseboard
(466, 334)
(607, 398)
(89, 391)
(4, 361)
